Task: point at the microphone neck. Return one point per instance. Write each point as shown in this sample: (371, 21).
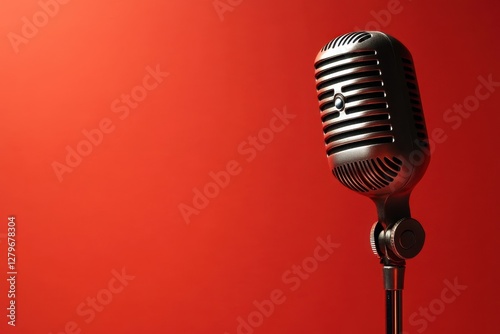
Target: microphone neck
(392, 208)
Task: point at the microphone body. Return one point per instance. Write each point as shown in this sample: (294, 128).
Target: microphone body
(373, 123)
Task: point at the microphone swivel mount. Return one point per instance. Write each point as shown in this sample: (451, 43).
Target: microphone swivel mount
(397, 242)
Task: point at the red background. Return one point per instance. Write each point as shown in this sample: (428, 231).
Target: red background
(119, 208)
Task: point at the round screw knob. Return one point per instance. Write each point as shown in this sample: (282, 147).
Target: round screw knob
(407, 238)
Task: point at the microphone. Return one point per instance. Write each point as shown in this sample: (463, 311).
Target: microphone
(374, 131)
(376, 143)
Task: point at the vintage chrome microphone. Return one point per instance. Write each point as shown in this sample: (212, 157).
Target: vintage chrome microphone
(376, 142)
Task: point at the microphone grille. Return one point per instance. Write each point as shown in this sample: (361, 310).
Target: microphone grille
(368, 175)
(371, 112)
(351, 83)
(350, 38)
(416, 104)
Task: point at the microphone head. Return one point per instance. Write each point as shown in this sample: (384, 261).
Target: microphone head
(373, 123)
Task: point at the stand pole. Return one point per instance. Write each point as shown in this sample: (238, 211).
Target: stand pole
(394, 309)
(394, 282)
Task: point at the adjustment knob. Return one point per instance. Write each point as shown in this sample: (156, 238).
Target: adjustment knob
(406, 238)
(377, 228)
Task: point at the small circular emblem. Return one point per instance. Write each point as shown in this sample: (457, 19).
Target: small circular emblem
(339, 102)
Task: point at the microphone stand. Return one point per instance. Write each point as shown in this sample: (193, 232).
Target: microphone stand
(393, 284)
(393, 243)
